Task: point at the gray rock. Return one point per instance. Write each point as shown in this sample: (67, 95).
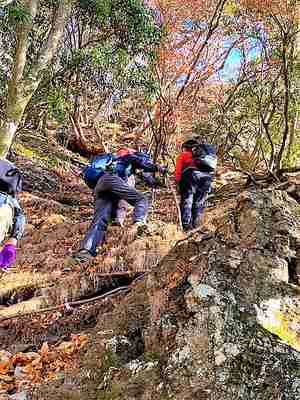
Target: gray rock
(232, 332)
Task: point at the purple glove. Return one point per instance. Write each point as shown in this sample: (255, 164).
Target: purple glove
(7, 255)
(163, 170)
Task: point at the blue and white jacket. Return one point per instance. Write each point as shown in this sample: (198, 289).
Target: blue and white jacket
(18, 225)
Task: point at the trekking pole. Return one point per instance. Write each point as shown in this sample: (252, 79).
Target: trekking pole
(153, 201)
(170, 186)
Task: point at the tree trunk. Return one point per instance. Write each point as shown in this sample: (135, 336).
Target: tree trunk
(15, 104)
(21, 87)
(13, 118)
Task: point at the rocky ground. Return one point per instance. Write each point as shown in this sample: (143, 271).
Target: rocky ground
(217, 319)
(210, 316)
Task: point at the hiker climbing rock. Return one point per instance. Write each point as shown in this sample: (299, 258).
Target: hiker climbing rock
(108, 176)
(193, 174)
(12, 219)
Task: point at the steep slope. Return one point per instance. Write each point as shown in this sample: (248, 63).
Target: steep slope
(217, 319)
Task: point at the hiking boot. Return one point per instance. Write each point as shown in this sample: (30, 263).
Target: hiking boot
(81, 255)
(116, 223)
(186, 227)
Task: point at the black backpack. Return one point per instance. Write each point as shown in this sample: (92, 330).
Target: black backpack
(10, 178)
(205, 157)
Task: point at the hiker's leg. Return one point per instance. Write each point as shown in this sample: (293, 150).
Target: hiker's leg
(138, 200)
(96, 232)
(120, 212)
(122, 206)
(186, 203)
(6, 221)
(202, 184)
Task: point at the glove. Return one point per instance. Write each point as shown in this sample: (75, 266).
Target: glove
(163, 170)
(7, 255)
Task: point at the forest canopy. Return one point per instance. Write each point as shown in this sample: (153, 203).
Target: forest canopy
(225, 70)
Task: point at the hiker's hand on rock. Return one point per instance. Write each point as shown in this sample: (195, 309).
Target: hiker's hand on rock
(7, 255)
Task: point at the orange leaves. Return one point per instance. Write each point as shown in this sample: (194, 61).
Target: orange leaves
(23, 359)
(4, 366)
(44, 349)
(192, 51)
(42, 366)
(79, 340)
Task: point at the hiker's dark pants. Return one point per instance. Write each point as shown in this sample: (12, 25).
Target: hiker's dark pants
(194, 187)
(119, 212)
(109, 190)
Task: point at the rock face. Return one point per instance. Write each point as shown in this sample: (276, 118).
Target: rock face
(218, 319)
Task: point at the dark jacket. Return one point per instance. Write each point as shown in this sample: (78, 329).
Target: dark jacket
(126, 165)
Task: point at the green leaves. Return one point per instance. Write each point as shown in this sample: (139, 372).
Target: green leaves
(14, 13)
(102, 54)
(57, 105)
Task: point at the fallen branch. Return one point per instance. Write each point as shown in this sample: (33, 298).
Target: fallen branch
(206, 235)
(69, 305)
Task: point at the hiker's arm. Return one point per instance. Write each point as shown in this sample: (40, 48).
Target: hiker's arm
(144, 164)
(19, 221)
(149, 179)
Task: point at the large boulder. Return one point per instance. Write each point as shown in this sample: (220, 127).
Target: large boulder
(218, 319)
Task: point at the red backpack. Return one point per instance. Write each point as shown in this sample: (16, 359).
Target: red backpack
(125, 151)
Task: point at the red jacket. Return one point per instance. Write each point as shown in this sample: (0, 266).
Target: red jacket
(182, 161)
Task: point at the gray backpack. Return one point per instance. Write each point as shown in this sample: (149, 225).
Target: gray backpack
(10, 178)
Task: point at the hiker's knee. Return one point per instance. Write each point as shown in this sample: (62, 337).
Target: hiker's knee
(187, 198)
(101, 217)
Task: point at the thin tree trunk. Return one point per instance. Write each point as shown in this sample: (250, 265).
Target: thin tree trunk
(22, 88)
(15, 103)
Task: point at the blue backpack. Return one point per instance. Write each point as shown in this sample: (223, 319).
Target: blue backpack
(99, 165)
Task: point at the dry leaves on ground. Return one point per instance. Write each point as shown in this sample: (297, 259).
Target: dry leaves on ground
(39, 367)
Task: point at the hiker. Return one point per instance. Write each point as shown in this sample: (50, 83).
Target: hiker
(108, 176)
(12, 219)
(193, 174)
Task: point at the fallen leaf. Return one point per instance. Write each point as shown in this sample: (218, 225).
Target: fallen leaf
(44, 349)
(66, 347)
(4, 366)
